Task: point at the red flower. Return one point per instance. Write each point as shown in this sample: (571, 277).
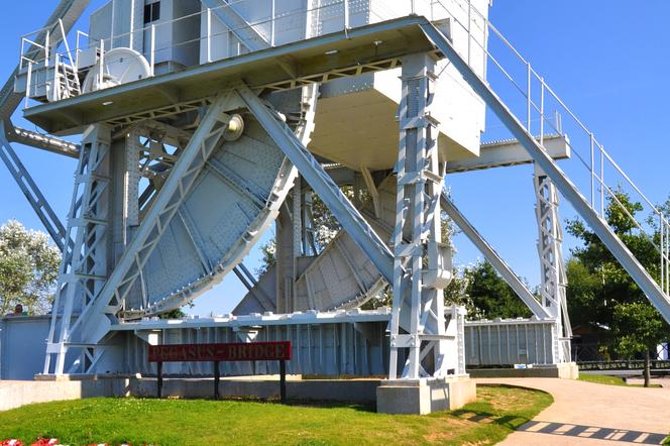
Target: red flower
(45, 442)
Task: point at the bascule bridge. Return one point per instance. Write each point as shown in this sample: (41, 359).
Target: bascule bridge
(204, 122)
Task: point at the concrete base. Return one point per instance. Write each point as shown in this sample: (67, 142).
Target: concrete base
(46, 388)
(401, 396)
(15, 394)
(261, 387)
(568, 370)
(424, 396)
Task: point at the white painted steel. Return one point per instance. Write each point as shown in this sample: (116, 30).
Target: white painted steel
(655, 293)
(84, 266)
(510, 341)
(552, 268)
(494, 259)
(31, 191)
(323, 344)
(120, 65)
(322, 184)
(593, 159)
(422, 263)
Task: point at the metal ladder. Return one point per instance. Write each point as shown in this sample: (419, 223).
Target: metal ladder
(65, 15)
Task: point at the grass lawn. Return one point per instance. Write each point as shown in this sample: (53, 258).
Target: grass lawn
(603, 379)
(497, 412)
(610, 380)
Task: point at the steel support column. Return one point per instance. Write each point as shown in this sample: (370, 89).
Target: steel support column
(84, 266)
(553, 278)
(422, 263)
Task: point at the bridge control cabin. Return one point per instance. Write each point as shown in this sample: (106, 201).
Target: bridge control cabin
(166, 40)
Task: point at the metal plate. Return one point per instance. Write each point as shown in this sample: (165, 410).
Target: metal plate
(234, 199)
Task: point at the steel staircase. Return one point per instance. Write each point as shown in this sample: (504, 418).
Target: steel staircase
(67, 81)
(585, 174)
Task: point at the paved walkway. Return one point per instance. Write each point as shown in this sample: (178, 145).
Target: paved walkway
(592, 414)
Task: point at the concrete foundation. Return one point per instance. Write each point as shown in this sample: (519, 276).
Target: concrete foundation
(267, 388)
(15, 394)
(568, 370)
(400, 396)
(424, 396)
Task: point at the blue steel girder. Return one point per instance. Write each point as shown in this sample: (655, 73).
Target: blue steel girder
(618, 249)
(312, 171)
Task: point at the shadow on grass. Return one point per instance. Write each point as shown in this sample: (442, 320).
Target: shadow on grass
(361, 407)
(512, 421)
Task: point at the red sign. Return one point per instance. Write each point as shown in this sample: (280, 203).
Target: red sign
(249, 351)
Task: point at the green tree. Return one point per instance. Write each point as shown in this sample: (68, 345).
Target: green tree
(639, 329)
(490, 295)
(28, 269)
(601, 292)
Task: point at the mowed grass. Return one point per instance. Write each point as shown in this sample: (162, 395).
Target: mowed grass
(602, 379)
(610, 380)
(497, 412)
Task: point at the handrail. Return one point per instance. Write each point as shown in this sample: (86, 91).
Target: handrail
(536, 92)
(599, 160)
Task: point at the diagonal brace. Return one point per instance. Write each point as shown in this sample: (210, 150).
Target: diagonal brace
(567, 188)
(345, 212)
(493, 258)
(250, 38)
(31, 191)
(205, 139)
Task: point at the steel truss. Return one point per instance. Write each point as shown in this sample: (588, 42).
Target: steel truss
(422, 263)
(614, 244)
(312, 171)
(84, 266)
(66, 13)
(554, 280)
(31, 191)
(102, 303)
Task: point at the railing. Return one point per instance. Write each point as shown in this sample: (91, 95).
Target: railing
(514, 79)
(41, 56)
(343, 10)
(536, 104)
(625, 364)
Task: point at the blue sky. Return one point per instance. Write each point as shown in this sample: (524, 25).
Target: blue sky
(607, 59)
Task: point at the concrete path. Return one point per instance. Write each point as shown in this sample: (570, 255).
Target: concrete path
(592, 414)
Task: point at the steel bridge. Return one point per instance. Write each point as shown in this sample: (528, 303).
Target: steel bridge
(207, 122)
